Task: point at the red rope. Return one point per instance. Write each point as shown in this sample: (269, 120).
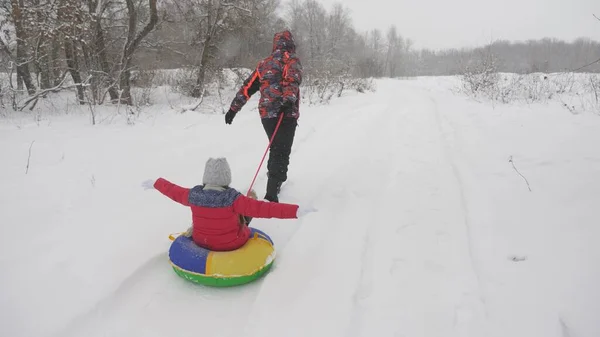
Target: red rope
(265, 154)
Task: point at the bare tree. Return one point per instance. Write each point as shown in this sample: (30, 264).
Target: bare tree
(132, 43)
(22, 56)
(216, 22)
(98, 60)
(395, 51)
(70, 22)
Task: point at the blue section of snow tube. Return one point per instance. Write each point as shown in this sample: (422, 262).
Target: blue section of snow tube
(187, 255)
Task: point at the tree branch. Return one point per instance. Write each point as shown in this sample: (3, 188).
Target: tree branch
(149, 26)
(585, 66)
(131, 28)
(57, 88)
(29, 157)
(5, 48)
(196, 106)
(237, 7)
(510, 160)
(160, 47)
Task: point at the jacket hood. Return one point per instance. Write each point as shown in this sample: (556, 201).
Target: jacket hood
(284, 41)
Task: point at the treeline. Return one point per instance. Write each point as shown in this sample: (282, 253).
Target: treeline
(544, 55)
(94, 46)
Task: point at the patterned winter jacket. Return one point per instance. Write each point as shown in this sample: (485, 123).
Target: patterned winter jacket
(216, 211)
(278, 77)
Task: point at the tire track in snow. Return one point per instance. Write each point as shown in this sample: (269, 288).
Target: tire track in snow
(415, 272)
(443, 123)
(380, 258)
(153, 301)
(385, 256)
(385, 168)
(321, 240)
(472, 305)
(342, 123)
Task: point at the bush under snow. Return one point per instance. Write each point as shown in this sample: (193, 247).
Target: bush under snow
(578, 92)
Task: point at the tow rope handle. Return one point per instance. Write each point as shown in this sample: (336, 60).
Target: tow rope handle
(174, 236)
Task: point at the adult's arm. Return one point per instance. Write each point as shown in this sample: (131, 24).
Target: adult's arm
(249, 88)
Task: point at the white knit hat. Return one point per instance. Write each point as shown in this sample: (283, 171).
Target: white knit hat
(217, 172)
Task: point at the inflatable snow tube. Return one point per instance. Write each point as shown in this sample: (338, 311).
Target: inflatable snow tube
(223, 269)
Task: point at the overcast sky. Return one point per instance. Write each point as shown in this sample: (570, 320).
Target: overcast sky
(456, 23)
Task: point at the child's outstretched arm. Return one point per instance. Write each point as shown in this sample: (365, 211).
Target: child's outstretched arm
(175, 192)
(263, 209)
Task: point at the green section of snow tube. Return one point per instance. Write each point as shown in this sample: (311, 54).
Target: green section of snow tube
(221, 281)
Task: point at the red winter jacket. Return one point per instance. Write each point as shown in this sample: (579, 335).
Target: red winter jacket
(216, 211)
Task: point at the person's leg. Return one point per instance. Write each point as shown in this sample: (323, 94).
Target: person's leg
(279, 154)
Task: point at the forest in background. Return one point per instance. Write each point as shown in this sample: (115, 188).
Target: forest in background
(101, 48)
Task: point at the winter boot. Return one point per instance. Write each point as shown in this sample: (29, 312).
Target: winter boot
(273, 188)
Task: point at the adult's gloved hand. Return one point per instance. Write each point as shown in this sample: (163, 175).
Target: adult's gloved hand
(148, 184)
(287, 108)
(229, 116)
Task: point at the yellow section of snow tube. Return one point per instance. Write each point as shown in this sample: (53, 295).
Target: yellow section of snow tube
(222, 269)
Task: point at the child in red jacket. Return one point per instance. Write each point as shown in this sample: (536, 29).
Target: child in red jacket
(217, 209)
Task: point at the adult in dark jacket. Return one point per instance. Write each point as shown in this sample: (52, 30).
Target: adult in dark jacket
(278, 78)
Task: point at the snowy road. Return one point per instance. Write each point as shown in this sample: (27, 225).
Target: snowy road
(409, 239)
(390, 250)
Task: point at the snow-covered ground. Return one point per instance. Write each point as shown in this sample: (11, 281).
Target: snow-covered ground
(426, 225)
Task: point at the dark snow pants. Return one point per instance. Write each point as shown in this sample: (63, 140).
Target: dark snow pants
(279, 153)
